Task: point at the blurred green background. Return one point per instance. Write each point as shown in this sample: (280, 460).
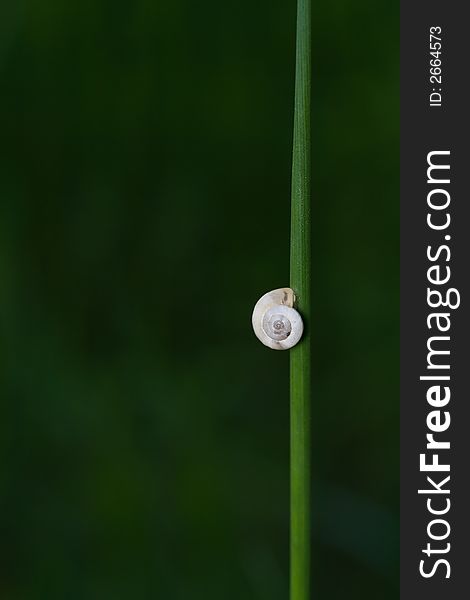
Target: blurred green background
(144, 208)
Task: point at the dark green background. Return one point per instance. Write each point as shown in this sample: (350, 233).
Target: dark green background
(144, 208)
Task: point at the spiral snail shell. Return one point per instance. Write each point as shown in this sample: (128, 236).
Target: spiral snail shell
(275, 321)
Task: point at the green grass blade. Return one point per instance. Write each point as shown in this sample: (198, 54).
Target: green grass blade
(300, 266)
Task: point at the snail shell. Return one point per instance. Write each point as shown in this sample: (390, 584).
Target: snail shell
(275, 321)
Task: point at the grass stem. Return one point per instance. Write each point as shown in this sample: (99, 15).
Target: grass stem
(300, 266)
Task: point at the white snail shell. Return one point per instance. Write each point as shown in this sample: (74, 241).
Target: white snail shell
(275, 321)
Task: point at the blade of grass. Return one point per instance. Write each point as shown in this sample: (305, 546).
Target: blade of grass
(300, 260)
